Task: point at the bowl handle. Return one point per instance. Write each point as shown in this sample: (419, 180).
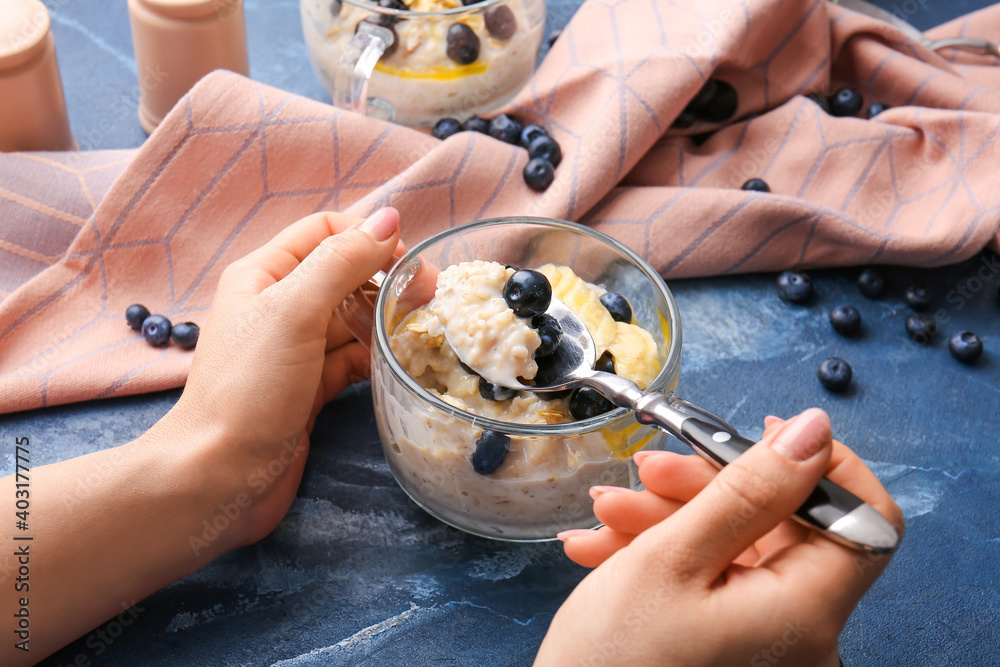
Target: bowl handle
(357, 61)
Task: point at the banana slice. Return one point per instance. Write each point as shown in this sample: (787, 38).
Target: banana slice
(584, 300)
(635, 354)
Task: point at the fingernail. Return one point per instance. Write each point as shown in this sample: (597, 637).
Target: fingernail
(804, 436)
(568, 534)
(597, 491)
(639, 457)
(381, 224)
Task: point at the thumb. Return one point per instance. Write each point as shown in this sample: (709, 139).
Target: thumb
(341, 263)
(748, 498)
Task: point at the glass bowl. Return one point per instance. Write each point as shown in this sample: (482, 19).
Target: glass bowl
(398, 65)
(541, 488)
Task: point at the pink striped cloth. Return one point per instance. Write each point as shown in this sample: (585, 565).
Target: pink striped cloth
(84, 235)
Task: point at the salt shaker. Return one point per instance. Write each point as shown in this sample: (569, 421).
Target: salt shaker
(32, 105)
(177, 42)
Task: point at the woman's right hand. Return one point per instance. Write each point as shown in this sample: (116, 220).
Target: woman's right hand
(706, 567)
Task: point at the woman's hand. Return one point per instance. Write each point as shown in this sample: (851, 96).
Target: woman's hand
(707, 568)
(274, 352)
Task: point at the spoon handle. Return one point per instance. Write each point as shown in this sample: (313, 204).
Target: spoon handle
(837, 512)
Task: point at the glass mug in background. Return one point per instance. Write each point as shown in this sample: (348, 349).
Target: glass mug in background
(417, 66)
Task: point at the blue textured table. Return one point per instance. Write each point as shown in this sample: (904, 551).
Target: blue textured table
(357, 574)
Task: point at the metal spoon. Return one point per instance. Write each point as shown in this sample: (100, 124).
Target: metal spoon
(831, 509)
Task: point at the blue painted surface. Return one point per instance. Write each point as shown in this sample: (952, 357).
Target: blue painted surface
(357, 574)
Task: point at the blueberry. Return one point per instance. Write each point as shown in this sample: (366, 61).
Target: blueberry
(585, 403)
(393, 4)
(494, 392)
(965, 346)
(135, 315)
(156, 330)
(921, 328)
(685, 120)
(500, 22)
(703, 97)
(506, 128)
(917, 297)
(539, 174)
(722, 105)
(528, 293)
(846, 320)
(871, 283)
(875, 108)
(335, 6)
(794, 287)
(554, 35)
(756, 185)
(467, 368)
(185, 335)
(529, 133)
(476, 124)
(820, 101)
(547, 148)
(549, 331)
(846, 102)
(463, 45)
(618, 306)
(835, 374)
(446, 127)
(605, 363)
(491, 448)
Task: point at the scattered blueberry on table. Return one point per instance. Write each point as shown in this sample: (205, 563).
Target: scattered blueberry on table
(528, 293)
(921, 328)
(156, 330)
(820, 101)
(506, 128)
(794, 286)
(618, 306)
(875, 108)
(529, 133)
(445, 128)
(491, 448)
(846, 102)
(756, 185)
(965, 346)
(715, 102)
(917, 297)
(539, 174)
(546, 148)
(871, 283)
(135, 315)
(846, 320)
(495, 392)
(585, 403)
(721, 106)
(835, 374)
(185, 335)
(549, 331)
(476, 124)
